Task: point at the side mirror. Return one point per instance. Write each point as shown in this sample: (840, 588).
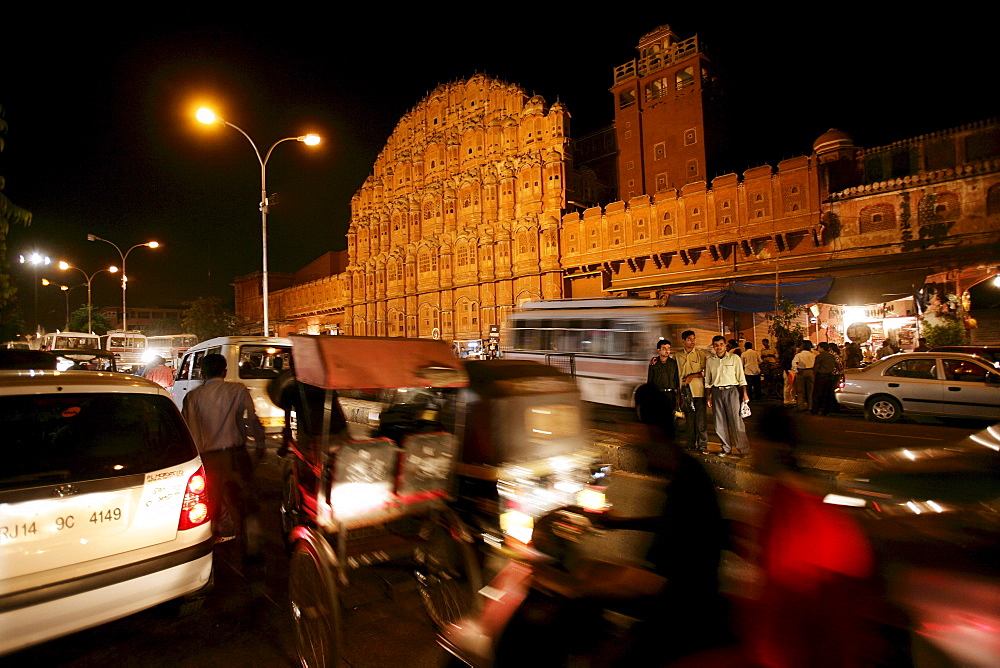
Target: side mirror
(993, 380)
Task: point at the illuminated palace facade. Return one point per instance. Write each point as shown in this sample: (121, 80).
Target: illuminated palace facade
(458, 222)
(465, 214)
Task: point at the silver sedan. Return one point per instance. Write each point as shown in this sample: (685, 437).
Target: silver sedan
(941, 384)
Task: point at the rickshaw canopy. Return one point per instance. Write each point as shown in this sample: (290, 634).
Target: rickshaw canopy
(344, 362)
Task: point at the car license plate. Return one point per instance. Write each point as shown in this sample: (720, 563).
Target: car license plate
(69, 519)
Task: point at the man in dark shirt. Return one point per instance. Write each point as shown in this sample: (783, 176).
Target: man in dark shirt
(825, 371)
(664, 381)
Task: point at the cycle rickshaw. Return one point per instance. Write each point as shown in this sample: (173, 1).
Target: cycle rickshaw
(357, 495)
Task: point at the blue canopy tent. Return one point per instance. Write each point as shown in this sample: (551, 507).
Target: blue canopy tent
(753, 297)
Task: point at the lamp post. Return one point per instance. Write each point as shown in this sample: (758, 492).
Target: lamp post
(124, 256)
(36, 260)
(66, 289)
(208, 117)
(90, 277)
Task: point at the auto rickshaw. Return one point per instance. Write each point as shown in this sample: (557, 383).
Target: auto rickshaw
(359, 494)
(526, 449)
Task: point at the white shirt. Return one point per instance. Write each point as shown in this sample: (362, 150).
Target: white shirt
(751, 362)
(804, 359)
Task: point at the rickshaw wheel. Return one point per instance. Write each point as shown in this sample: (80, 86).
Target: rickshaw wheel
(289, 509)
(447, 572)
(315, 607)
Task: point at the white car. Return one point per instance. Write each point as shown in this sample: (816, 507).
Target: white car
(103, 505)
(945, 384)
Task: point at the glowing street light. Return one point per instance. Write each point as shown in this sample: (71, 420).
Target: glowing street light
(66, 290)
(209, 117)
(36, 260)
(63, 265)
(124, 256)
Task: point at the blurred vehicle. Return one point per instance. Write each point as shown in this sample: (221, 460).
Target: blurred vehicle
(352, 499)
(934, 383)
(103, 508)
(989, 353)
(128, 349)
(84, 359)
(932, 516)
(68, 340)
(20, 345)
(605, 344)
(525, 449)
(252, 360)
(171, 347)
(24, 359)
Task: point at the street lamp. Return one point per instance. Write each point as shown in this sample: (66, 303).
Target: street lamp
(90, 277)
(208, 117)
(66, 290)
(36, 260)
(124, 256)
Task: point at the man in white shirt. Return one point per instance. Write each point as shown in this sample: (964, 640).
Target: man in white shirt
(802, 365)
(751, 367)
(727, 386)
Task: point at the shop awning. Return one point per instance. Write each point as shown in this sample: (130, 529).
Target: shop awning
(875, 288)
(754, 297)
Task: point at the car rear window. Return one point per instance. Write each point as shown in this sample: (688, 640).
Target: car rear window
(263, 361)
(51, 439)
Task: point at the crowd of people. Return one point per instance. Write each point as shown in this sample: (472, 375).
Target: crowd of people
(683, 382)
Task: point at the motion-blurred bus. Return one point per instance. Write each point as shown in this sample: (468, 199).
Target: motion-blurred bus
(606, 344)
(69, 341)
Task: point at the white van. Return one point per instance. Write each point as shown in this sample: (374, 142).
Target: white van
(251, 360)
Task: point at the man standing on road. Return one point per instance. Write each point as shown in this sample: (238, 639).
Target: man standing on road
(663, 377)
(727, 386)
(824, 372)
(219, 414)
(691, 366)
(802, 365)
(751, 368)
(160, 373)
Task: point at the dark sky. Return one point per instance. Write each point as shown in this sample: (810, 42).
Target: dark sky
(102, 137)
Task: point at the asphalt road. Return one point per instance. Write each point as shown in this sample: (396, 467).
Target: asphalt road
(247, 623)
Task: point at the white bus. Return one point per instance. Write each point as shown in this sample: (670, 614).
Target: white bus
(127, 347)
(69, 341)
(606, 344)
(169, 346)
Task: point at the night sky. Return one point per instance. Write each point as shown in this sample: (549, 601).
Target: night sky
(102, 137)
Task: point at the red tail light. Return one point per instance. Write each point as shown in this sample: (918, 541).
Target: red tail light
(194, 510)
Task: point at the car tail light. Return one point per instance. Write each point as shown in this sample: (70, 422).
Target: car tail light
(194, 510)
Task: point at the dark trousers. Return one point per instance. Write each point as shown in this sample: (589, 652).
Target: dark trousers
(666, 405)
(695, 428)
(230, 468)
(753, 381)
(823, 399)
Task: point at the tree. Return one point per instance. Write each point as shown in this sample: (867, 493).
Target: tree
(785, 326)
(78, 321)
(206, 318)
(9, 215)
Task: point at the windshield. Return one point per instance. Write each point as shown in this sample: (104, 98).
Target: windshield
(263, 361)
(51, 439)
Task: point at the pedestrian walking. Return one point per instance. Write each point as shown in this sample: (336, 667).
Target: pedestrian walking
(662, 376)
(752, 369)
(219, 415)
(726, 385)
(691, 366)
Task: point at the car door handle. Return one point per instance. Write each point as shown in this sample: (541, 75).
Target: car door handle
(893, 384)
(954, 389)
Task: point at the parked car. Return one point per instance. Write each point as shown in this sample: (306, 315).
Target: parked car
(935, 383)
(25, 359)
(252, 360)
(103, 510)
